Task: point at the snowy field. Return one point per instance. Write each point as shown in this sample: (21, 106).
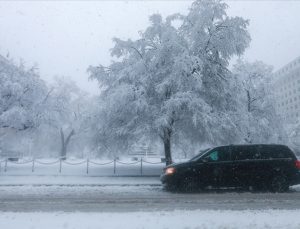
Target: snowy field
(159, 220)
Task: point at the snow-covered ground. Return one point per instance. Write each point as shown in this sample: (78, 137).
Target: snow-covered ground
(159, 220)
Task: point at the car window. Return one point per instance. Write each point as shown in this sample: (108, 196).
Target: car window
(199, 155)
(273, 152)
(219, 154)
(245, 153)
(214, 156)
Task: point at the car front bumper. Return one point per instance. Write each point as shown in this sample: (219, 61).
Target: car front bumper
(168, 179)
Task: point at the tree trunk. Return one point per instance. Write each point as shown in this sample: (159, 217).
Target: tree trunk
(167, 145)
(248, 139)
(249, 109)
(248, 101)
(64, 143)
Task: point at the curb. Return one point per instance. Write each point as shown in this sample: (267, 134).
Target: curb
(80, 185)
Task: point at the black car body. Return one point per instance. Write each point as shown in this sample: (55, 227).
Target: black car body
(272, 167)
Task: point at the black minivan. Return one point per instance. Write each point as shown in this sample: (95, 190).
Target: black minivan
(261, 166)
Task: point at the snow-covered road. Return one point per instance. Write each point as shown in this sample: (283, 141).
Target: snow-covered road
(178, 219)
(147, 196)
(65, 202)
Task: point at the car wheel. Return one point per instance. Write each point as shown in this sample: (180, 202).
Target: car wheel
(259, 188)
(279, 183)
(169, 188)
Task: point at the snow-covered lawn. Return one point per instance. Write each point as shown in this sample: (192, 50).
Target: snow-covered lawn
(153, 220)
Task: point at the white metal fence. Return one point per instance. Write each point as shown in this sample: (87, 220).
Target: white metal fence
(140, 167)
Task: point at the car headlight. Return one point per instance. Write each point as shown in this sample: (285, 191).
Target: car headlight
(170, 170)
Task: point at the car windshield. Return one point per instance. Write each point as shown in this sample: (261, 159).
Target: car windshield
(202, 152)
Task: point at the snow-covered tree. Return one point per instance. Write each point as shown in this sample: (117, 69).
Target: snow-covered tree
(22, 96)
(257, 120)
(23, 99)
(173, 79)
(293, 135)
(68, 113)
(35, 116)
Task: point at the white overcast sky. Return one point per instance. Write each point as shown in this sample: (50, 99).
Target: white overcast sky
(65, 37)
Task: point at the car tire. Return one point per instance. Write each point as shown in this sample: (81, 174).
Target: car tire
(279, 183)
(259, 188)
(169, 187)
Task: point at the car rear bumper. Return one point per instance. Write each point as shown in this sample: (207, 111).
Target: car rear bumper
(296, 179)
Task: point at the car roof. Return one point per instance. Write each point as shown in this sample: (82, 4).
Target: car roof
(251, 145)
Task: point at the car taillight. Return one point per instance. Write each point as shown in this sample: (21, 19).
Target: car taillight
(297, 164)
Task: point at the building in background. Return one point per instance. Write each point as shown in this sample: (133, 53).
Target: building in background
(287, 91)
